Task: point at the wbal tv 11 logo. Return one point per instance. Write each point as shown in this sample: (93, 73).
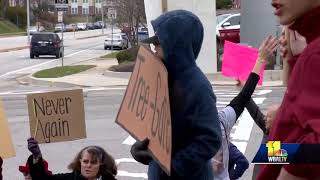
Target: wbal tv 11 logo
(275, 153)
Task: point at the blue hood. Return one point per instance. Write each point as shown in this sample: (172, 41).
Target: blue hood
(180, 34)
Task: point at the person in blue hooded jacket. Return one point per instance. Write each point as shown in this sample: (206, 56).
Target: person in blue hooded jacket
(196, 134)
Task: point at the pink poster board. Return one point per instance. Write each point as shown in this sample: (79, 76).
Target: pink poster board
(238, 61)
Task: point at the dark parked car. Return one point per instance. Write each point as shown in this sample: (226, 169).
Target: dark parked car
(90, 26)
(99, 25)
(46, 44)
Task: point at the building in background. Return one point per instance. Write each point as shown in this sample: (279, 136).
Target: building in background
(92, 7)
(13, 3)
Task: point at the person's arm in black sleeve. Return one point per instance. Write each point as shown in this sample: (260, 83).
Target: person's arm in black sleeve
(239, 102)
(268, 46)
(257, 115)
(37, 169)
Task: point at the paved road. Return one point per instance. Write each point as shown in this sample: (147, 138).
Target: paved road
(101, 106)
(19, 41)
(18, 63)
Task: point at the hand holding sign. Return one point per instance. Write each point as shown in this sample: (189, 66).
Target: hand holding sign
(145, 109)
(139, 151)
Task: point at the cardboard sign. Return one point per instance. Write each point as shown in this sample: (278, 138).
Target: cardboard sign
(6, 145)
(238, 61)
(145, 109)
(57, 116)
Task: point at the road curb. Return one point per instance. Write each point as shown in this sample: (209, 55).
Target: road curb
(27, 80)
(13, 49)
(88, 37)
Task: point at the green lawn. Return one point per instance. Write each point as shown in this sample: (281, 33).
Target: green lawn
(7, 27)
(61, 71)
(111, 55)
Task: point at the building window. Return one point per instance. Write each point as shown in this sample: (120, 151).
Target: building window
(98, 10)
(85, 10)
(74, 10)
(74, 1)
(85, 1)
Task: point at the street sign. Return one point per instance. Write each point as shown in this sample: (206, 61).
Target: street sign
(61, 4)
(60, 16)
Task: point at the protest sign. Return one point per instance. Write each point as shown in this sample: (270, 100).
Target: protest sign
(6, 145)
(57, 116)
(145, 109)
(238, 61)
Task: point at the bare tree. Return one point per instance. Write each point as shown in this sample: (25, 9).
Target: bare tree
(4, 8)
(130, 14)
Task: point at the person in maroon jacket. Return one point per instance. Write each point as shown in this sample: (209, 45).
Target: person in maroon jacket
(298, 118)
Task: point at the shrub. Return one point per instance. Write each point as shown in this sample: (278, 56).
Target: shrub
(18, 16)
(223, 4)
(124, 56)
(127, 55)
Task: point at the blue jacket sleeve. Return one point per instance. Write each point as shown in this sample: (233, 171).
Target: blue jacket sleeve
(206, 132)
(238, 162)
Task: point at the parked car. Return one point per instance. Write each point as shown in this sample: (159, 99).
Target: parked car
(143, 30)
(71, 27)
(125, 37)
(59, 27)
(228, 21)
(232, 35)
(90, 26)
(98, 25)
(116, 41)
(82, 26)
(35, 29)
(221, 17)
(46, 43)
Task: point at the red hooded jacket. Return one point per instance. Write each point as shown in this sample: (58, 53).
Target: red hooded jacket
(298, 118)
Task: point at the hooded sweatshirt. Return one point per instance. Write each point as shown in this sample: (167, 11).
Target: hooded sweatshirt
(298, 118)
(196, 134)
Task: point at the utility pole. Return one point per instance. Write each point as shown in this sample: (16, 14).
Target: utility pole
(111, 33)
(102, 14)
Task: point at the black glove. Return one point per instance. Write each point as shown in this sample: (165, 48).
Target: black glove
(34, 148)
(139, 151)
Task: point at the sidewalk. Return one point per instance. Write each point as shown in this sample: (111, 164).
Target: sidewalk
(99, 76)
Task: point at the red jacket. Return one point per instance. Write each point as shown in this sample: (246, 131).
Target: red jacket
(298, 119)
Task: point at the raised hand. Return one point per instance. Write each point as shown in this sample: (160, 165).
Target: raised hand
(267, 48)
(34, 148)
